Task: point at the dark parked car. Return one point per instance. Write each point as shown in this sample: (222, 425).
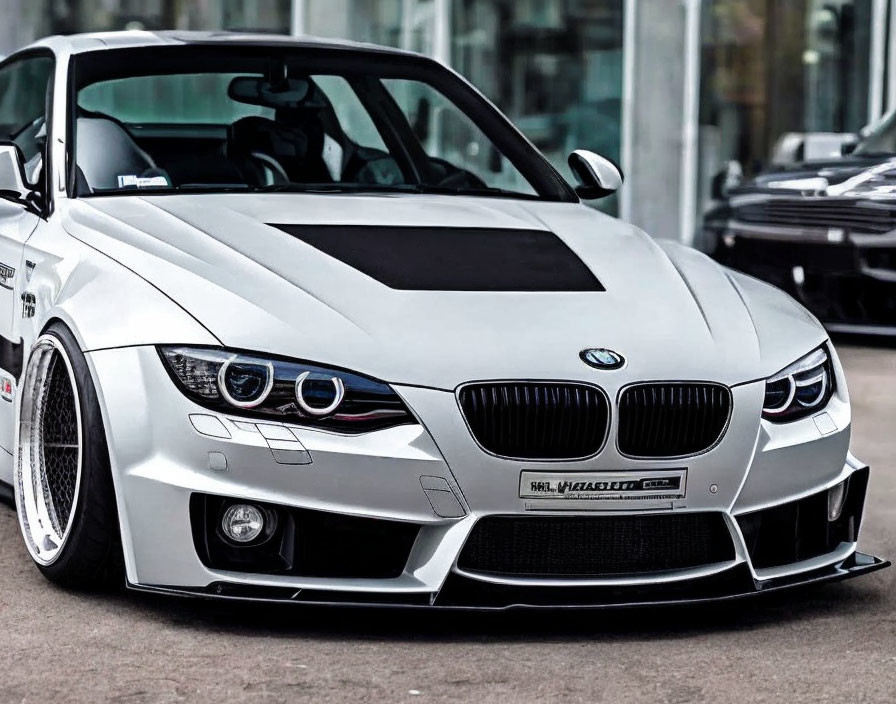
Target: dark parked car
(824, 231)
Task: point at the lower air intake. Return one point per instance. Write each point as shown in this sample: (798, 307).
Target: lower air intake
(801, 530)
(595, 546)
(303, 542)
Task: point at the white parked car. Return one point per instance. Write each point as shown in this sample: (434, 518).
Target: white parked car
(311, 321)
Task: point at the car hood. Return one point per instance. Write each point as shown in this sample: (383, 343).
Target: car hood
(670, 311)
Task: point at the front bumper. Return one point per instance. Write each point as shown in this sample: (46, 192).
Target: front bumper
(849, 285)
(165, 451)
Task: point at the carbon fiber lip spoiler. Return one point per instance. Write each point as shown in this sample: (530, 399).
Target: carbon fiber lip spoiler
(855, 565)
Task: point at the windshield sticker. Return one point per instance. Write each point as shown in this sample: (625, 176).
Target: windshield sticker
(132, 180)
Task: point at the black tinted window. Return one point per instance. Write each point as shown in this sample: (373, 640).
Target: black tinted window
(23, 100)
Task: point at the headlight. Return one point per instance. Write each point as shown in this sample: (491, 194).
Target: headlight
(241, 383)
(801, 389)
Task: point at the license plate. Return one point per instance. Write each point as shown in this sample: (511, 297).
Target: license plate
(604, 486)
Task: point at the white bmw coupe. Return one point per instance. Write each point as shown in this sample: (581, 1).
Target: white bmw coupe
(297, 320)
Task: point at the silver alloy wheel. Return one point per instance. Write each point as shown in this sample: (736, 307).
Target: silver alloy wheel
(48, 462)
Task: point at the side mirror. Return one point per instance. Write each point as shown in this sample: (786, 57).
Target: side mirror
(12, 173)
(728, 178)
(598, 177)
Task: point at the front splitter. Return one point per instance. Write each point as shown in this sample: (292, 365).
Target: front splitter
(463, 593)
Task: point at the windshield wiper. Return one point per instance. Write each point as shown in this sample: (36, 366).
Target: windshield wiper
(319, 188)
(415, 188)
(477, 191)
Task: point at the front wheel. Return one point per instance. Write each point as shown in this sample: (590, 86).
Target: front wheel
(63, 484)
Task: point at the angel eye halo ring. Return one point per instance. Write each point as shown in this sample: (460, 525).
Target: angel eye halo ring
(801, 389)
(338, 394)
(245, 382)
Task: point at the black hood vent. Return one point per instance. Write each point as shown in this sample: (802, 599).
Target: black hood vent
(453, 259)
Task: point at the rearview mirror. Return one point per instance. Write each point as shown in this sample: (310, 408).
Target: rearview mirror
(598, 177)
(289, 93)
(12, 173)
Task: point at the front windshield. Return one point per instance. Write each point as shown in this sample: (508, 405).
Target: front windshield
(259, 119)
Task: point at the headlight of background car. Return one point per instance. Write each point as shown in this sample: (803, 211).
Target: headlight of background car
(801, 389)
(241, 383)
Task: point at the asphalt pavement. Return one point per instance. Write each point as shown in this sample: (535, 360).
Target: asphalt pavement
(835, 643)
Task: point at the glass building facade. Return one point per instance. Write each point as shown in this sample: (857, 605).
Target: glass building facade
(770, 69)
(744, 76)
(555, 68)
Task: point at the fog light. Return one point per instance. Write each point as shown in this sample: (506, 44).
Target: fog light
(836, 499)
(242, 523)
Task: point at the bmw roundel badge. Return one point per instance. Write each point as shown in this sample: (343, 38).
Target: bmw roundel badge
(601, 358)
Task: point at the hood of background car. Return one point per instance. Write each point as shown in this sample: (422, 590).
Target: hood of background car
(325, 278)
(860, 175)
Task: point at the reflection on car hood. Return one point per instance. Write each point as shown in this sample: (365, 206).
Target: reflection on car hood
(671, 311)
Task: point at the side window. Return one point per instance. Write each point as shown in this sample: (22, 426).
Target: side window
(23, 104)
(23, 100)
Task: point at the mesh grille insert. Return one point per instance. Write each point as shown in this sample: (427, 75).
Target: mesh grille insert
(672, 420)
(583, 546)
(535, 420)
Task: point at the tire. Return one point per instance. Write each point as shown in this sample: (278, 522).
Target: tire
(65, 498)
